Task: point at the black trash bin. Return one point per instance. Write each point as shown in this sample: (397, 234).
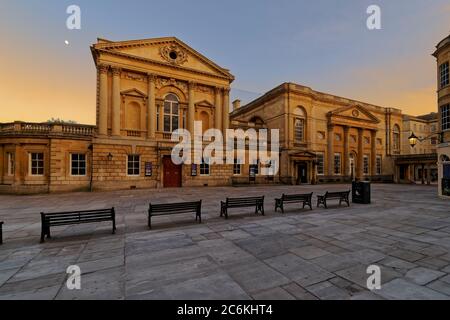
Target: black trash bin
(361, 192)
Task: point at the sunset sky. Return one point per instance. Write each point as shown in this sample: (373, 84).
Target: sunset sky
(323, 44)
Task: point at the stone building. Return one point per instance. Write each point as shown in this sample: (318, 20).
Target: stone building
(442, 55)
(146, 89)
(418, 164)
(325, 138)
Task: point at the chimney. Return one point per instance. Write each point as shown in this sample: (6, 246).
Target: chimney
(236, 104)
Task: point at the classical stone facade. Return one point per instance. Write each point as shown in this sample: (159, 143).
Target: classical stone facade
(442, 55)
(325, 138)
(146, 89)
(36, 158)
(418, 164)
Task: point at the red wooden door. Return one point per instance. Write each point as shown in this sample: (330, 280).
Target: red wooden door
(172, 173)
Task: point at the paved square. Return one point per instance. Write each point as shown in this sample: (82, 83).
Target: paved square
(302, 254)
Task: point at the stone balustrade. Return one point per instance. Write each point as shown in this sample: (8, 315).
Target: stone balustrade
(46, 128)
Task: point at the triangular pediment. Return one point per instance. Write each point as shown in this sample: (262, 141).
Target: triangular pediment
(168, 51)
(354, 113)
(134, 93)
(204, 103)
(304, 153)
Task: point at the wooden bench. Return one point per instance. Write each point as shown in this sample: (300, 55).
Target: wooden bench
(75, 217)
(306, 199)
(175, 208)
(1, 232)
(341, 195)
(257, 202)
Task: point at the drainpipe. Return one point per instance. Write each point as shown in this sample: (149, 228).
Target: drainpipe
(91, 149)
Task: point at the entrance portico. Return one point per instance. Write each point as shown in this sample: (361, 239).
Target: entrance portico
(303, 167)
(352, 143)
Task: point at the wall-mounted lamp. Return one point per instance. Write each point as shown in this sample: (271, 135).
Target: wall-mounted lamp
(110, 157)
(413, 139)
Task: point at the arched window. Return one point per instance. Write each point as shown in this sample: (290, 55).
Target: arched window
(171, 113)
(299, 125)
(396, 138)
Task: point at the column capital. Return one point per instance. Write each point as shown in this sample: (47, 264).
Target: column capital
(346, 129)
(103, 68)
(217, 90)
(226, 90)
(151, 77)
(116, 71)
(330, 126)
(192, 85)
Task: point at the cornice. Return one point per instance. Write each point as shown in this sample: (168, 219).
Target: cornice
(164, 64)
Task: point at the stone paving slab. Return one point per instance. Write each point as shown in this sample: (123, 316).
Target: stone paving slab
(302, 254)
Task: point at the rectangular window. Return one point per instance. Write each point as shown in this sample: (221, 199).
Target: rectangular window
(10, 158)
(236, 167)
(445, 117)
(37, 164)
(133, 165)
(78, 164)
(337, 163)
(366, 164)
(378, 165)
(320, 164)
(299, 130)
(444, 74)
(204, 167)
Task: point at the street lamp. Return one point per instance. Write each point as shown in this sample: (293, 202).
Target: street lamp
(413, 139)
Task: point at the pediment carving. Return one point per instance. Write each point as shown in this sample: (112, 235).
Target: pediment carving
(173, 53)
(355, 113)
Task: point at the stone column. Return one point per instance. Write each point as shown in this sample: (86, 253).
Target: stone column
(423, 173)
(191, 108)
(226, 108)
(360, 160)
(373, 152)
(346, 151)
(151, 107)
(103, 100)
(330, 150)
(218, 110)
(115, 120)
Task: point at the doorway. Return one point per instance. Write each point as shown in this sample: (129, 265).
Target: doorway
(302, 173)
(172, 173)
